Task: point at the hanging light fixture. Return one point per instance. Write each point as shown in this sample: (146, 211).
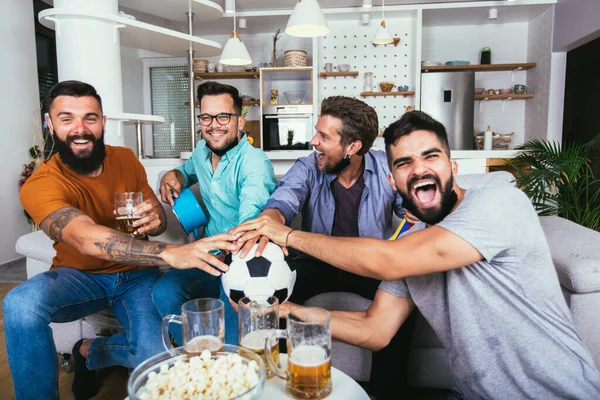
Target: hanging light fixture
(383, 35)
(307, 20)
(229, 6)
(235, 52)
(367, 3)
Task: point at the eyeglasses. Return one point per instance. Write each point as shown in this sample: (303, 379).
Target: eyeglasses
(222, 118)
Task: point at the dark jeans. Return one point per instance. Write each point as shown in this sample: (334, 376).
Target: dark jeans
(390, 365)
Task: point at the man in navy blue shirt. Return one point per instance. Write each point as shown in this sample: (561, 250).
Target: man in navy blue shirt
(342, 189)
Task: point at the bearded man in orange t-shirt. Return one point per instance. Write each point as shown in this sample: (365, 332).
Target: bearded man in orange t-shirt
(70, 196)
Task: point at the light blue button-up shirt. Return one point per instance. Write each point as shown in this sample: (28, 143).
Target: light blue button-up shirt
(305, 188)
(237, 190)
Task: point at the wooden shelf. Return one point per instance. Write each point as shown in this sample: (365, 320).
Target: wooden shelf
(367, 94)
(511, 96)
(395, 43)
(481, 67)
(244, 102)
(324, 75)
(225, 75)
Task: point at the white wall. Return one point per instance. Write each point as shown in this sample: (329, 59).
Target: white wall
(19, 113)
(539, 50)
(576, 22)
(131, 72)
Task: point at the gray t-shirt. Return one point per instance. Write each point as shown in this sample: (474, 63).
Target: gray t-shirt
(503, 321)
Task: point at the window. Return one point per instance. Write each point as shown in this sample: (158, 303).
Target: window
(169, 91)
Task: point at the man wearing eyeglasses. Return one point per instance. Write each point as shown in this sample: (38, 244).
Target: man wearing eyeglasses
(235, 182)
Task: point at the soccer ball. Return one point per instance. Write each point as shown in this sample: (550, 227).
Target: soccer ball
(267, 275)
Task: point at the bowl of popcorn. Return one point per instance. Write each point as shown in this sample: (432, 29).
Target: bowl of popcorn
(229, 373)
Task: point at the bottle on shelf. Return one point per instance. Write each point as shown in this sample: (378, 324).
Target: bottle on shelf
(368, 82)
(487, 139)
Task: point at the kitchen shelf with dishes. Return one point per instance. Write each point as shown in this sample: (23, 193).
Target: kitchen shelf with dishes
(405, 94)
(511, 96)
(479, 67)
(326, 75)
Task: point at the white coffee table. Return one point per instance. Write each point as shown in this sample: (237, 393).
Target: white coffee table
(343, 387)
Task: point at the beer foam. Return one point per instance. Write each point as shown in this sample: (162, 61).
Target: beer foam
(308, 355)
(255, 340)
(201, 343)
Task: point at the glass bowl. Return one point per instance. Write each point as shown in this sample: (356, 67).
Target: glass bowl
(139, 376)
(295, 96)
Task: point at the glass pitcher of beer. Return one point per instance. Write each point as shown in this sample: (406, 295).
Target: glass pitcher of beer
(125, 203)
(257, 318)
(308, 334)
(202, 324)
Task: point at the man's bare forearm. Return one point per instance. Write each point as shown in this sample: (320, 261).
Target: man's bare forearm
(275, 214)
(122, 248)
(73, 227)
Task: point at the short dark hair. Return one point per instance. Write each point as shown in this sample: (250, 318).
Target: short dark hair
(359, 120)
(415, 121)
(73, 89)
(216, 88)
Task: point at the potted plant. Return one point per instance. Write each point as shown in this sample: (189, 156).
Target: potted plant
(560, 180)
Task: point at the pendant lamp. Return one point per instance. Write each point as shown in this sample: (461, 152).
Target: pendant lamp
(235, 52)
(383, 35)
(307, 20)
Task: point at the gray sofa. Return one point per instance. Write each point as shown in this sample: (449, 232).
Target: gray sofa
(574, 252)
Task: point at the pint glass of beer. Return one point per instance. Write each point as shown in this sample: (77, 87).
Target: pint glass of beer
(202, 324)
(257, 318)
(308, 335)
(125, 203)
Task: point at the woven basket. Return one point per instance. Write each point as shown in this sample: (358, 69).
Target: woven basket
(295, 58)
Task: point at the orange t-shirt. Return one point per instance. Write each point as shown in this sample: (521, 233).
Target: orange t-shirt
(54, 186)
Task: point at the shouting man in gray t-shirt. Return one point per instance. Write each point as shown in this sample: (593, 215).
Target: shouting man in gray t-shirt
(478, 268)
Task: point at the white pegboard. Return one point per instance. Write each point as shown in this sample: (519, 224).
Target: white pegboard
(349, 42)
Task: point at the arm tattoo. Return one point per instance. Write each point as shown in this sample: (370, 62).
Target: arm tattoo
(124, 249)
(55, 223)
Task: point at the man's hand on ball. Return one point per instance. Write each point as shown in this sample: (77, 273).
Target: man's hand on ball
(263, 226)
(196, 254)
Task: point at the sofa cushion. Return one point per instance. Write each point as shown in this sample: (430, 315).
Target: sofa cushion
(36, 245)
(574, 250)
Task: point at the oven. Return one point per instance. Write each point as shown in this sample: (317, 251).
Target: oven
(287, 127)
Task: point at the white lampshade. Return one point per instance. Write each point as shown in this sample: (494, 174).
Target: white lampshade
(383, 36)
(229, 6)
(307, 20)
(235, 52)
(367, 3)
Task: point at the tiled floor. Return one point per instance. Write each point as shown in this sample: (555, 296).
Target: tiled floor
(13, 271)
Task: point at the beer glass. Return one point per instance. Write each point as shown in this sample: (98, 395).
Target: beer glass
(257, 318)
(202, 324)
(125, 203)
(308, 335)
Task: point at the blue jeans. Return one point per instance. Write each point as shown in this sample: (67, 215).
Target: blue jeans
(67, 294)
(178, 286)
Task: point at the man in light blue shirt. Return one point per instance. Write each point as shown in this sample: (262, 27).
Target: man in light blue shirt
(235, 182)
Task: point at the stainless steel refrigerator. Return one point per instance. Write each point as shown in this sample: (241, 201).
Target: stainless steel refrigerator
(449, 98)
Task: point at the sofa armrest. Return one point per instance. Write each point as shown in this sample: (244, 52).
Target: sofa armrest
(574, 251)
(36, 245)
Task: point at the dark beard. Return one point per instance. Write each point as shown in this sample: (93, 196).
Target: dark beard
(339, 167)
(435, 215)
(221, 152)
(82, 166)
